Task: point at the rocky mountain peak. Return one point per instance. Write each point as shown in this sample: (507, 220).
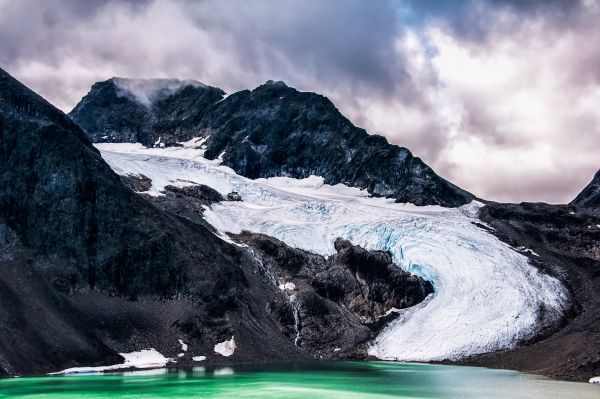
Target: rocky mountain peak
(144, 110)
(590, 195)
(19, 102)
(272, 84)
(273, 130)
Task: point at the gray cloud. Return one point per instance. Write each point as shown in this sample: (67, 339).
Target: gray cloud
(498, 96)
(472, 19)
(329, 40)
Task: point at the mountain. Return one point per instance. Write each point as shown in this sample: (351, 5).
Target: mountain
(273, 130)
(590, 195)
(89, 269)
(95, 265)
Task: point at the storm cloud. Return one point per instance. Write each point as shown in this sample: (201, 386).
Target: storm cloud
(501, 97)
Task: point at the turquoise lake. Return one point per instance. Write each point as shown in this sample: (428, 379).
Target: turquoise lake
(303, 380)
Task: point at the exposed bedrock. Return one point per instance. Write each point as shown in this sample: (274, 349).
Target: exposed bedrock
(334, 305)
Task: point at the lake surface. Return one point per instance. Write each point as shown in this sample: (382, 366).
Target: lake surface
(304, 380)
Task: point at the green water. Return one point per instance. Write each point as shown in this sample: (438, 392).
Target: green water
(306, 380)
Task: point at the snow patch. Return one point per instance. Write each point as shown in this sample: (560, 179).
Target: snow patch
(223, 98)
(389, 312)
(287, 287)
(198, 358)
(184, 346)
(144, 359)
(195, 143)
(226, 348)
(527, 251)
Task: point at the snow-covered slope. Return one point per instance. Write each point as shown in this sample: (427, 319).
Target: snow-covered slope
(487, 295)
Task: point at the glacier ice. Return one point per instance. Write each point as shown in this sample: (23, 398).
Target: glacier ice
(487, 295)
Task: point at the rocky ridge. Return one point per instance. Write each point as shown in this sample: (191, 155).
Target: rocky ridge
(590, 195)
(273, 130)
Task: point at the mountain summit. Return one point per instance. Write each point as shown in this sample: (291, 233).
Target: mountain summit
(590, 195)
(143, 110)
(273, 130)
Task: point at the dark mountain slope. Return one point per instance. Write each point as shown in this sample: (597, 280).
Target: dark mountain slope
(63, 200)
(89, 269)
(273, 130)
(590, 196)
(89, 234)
(40, 329)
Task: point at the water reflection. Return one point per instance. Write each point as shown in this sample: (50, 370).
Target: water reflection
(302, 380)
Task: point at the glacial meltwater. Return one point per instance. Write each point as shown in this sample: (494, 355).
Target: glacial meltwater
(302, 380)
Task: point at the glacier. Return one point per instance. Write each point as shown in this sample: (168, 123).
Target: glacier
(487, 295)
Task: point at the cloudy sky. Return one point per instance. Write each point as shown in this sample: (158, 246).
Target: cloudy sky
(502, 97)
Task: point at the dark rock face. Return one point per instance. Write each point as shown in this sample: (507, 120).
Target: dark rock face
(167, 112)
(188, 202)
(352, 290)
(137, 183)
(206, 195)
(567, 240)
(368, 282)
(90, 269)
(275, 130)
(590, 196)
